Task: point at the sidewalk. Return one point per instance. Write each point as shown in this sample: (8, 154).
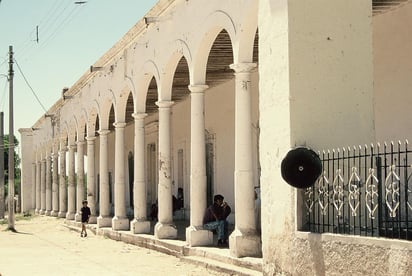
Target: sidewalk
(49, 246)
(217, 259)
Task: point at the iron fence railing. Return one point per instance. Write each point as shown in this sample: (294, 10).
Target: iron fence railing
(363, 190)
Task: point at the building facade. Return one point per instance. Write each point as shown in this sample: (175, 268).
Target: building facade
(212, 107)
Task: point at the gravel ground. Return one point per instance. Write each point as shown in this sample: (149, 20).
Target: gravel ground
(44, 246)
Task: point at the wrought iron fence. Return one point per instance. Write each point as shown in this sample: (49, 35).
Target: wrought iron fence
(363, 190)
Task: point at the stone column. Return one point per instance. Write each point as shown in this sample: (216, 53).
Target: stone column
(71, 188)
(33, 181)
(43, 187)
(62, 183)
(80, 180)
(104, 219)
(38, 187)
(48, 185)
(244, 241)
(139, 224)
(120, 220)
(91, 179)
(164, 228)
(195, 235)
(55, 185)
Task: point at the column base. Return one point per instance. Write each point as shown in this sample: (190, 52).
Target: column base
(140, 227)
(245, 244)
(78, 217)
(198, 236)
(165, 231)
(54, 213)
(37, 211)
(42, 212)
(62, 214)
(120, 223)
(70, 216)
(48, 213)
(92, 219)
(104, 222)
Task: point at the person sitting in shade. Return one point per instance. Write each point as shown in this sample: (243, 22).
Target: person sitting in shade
(215, 219)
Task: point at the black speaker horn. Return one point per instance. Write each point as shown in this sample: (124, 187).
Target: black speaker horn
(301, 167)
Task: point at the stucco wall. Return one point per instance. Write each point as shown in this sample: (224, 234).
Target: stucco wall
(392, 44)
(316, 89)
(27, 189)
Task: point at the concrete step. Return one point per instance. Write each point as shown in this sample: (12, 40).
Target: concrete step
(221, 266)
(217, 259)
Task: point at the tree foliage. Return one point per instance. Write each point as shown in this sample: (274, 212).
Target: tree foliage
(6, 158)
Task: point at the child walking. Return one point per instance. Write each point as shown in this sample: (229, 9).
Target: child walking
(85, 218)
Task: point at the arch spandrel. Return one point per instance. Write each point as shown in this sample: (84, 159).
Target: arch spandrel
(122, 104)
(81, 125)
(214, 24)
(104, 115)
(172, 69)
(91, 120)
(149, 74)
(243, 49)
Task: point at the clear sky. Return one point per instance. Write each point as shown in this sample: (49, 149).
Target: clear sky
(71, 37)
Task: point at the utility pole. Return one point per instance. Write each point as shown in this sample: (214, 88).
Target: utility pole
(2, 203)
(11, 144)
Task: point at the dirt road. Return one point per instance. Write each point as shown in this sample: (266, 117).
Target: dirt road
(45, 246)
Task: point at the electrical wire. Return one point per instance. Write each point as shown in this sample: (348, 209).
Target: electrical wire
(63, 24)
(47, 26)
(34, 93)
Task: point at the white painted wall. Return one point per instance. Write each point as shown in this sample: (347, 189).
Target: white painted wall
(392, 45)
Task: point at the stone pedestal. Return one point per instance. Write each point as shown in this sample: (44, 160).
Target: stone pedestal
(70, 216)
(165, 231)
(104, 222)
(62, 214)
(198, 237)
(119, 223)
(54, 213)
(93, 219)
(245, 244)
(140, 227)
(78, 217)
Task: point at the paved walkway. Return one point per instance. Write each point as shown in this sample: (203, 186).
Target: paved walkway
(46, 246)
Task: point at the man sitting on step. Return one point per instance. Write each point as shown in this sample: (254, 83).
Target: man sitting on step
(215, 219)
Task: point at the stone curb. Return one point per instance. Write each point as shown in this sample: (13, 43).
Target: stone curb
(209, 257)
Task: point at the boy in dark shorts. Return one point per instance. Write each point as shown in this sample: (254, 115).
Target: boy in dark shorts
(85, 218)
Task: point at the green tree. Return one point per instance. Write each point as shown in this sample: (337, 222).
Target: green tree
(17, 171)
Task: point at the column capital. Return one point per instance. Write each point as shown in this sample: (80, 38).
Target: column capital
(72, 147)
(80, 143)
(90, 138)
(243, 67)
(139, 116)
(164, 104)
(198, 88)
(119, 124)
(103, 132)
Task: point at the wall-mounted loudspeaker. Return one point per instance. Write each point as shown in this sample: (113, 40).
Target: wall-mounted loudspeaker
(301, 167)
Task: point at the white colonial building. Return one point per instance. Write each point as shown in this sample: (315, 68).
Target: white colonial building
(209, 96)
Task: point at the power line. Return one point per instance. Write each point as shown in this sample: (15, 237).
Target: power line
(44, 26)
(34, 93)
(62, 24)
